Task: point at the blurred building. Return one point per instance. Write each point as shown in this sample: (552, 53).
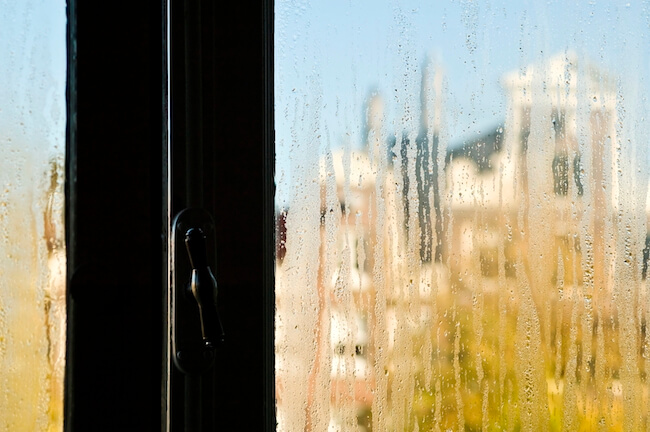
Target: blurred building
(524, 184)
(510, 205)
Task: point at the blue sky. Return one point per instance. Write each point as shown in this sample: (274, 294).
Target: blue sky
(330, 54)
(33, 71)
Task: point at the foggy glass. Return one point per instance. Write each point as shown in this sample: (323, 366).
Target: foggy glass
(32, 250)
(462, 215)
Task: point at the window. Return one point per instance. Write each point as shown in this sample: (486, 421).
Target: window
(463, 187)
(32, 247)
(442, 214)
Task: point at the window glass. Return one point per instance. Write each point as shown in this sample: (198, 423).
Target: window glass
(462, 215)
(32, 251)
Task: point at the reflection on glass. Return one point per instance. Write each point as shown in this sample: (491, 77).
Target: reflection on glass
(462, 216)
(32, 250)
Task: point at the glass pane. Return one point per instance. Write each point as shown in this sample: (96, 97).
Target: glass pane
(32, 250)
(462, 214)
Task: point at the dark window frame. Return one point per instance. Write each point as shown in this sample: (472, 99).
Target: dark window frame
(117, 217)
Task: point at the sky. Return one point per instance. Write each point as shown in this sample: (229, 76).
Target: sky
(330, 55)
(33, 71)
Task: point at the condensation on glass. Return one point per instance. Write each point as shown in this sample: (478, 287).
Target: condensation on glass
(462, 216)
(32, 250)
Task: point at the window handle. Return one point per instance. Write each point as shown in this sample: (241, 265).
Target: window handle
(203, 286)
(195, 325)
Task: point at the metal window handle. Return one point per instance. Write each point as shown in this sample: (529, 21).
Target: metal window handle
(195, 327)
(195, 324)
(203, 285)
